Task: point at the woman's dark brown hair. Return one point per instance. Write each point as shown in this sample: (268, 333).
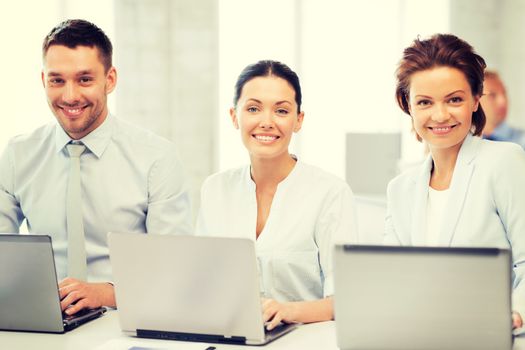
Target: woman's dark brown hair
(442, 50)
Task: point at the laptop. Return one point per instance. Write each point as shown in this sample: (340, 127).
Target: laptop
(203, 289)
(29, 298)
(422, 298)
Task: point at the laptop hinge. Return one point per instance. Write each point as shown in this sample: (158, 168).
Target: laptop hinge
(196, 337)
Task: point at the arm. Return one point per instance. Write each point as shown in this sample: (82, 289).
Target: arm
(336, 224)
(11, 216)
(169, 207)
(297, 311)
(390, 236)
(508, 187)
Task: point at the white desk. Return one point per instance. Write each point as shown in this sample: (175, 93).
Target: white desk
(104, 333)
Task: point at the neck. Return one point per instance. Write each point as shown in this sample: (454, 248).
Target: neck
(444, 162)
(269, 172)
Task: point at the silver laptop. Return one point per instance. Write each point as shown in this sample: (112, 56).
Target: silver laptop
(29, 299)
(189, 288)
(422, 298)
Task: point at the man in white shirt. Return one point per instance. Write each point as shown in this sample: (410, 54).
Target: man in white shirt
(127, 179)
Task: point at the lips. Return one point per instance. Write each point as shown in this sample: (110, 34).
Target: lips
(266, 138)
(72, 112)
(442, 130)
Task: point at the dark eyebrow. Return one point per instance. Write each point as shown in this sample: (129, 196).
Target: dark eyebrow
(85, 72)
(452, 93)
(424, 96)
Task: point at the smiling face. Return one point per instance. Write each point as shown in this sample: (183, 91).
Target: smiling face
(441, 105)
(267, 116)
(77, 86)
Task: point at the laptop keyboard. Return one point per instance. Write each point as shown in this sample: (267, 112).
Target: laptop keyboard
(81, 313)
(279, 329)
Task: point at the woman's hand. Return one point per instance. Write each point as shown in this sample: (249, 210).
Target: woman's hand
(275, 312)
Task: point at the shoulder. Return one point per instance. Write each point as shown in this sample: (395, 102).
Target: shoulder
(496, 149)
(322, 180)
(226, 180)
(405, 180)
(500, 153)
(500, 160)
(137, 136)
(34, 139)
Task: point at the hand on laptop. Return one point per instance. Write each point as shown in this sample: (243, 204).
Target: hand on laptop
(275, 312)
(76, 295)
(517, 321)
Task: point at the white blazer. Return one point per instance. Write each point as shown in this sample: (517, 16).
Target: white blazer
(486, 205)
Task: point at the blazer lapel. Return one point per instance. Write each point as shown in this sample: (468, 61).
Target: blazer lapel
(419, 204)
(458, 188)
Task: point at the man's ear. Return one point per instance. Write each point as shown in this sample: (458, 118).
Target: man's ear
(111, 80)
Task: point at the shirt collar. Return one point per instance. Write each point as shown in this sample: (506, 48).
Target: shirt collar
(96, 141)
(502, 132)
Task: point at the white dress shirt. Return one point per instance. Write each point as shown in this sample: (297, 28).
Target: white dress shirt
(310, 210)
(131, 181)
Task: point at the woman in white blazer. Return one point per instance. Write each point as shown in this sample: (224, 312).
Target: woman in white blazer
(293, 211)
(469, 191)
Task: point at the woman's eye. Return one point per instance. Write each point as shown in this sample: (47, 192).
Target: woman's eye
(282, 111)
(456, 100)
(252, 109)
(423, 103)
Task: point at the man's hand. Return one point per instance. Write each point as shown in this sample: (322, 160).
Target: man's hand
(76, 295)
(275, 312)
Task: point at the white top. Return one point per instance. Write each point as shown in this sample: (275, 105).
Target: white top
(436, 204)
(310, 209)
(131, 181)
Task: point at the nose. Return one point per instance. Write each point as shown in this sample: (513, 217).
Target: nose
(440, 114)
(70, 94)
(266, 121)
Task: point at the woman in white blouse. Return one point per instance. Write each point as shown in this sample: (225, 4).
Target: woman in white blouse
(469, 191)
(293, 211)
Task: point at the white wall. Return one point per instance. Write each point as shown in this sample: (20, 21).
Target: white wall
(345, 53)
(249, 31)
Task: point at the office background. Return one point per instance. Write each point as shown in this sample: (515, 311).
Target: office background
(178, 60)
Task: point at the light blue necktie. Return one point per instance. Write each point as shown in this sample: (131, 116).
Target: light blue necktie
(76, 248)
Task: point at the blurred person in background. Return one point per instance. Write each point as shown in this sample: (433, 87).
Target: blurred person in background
(495, 103)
